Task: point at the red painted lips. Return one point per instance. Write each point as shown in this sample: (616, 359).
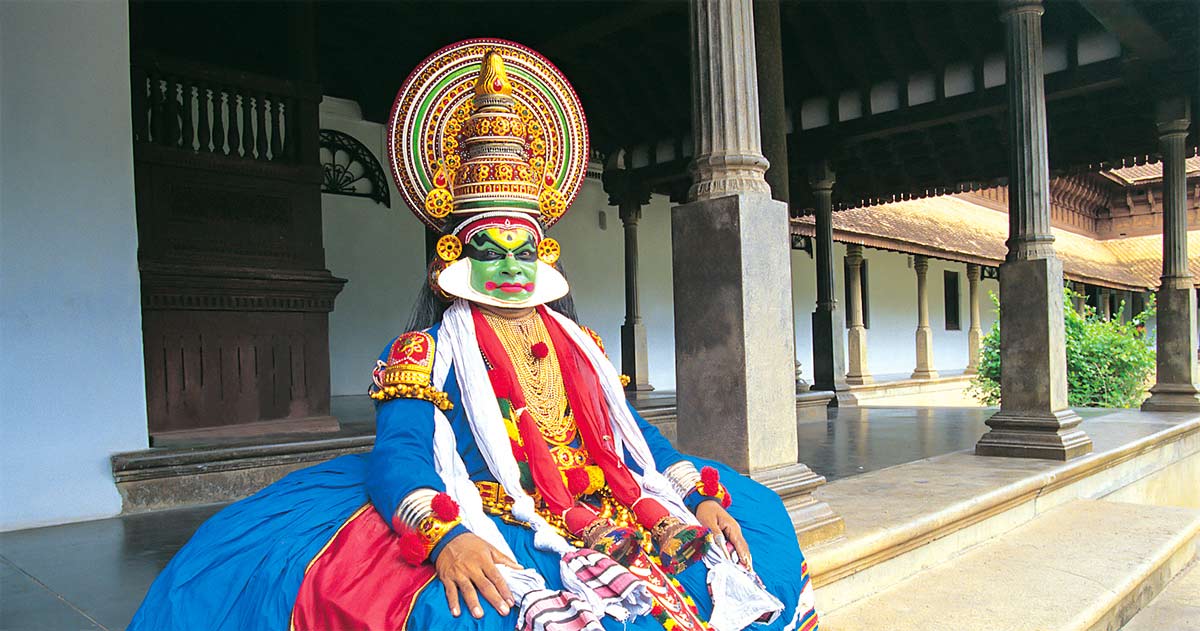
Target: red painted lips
(511, 288)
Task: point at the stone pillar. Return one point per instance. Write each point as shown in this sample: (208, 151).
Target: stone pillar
(1175, 387)
(1104, 303)
(629, 194)
(772, 114)
(856, 373)
(974, 331)
(1034, 420)
(734, 344)
(829, 354)
(1080, 297)
(924, 368)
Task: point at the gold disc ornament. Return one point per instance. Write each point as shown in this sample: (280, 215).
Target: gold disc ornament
(548, 251)
(459, 96)
(449, 248)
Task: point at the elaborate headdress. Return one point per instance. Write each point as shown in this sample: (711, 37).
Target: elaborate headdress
(486, 133)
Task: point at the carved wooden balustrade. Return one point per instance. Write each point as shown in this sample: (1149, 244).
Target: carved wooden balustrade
(235, 294)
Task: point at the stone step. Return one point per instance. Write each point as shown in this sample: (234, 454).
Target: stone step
(919, 515)
(1177, 608)
(1085, 566)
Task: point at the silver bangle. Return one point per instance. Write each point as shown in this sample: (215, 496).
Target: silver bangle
(415, 507)
(683, 476)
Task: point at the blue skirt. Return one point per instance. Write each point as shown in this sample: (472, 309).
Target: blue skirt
(243, 568)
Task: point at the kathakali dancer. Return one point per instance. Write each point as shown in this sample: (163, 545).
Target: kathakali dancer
(511, 485)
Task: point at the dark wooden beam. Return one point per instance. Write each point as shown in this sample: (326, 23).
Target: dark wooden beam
(1123, 20)
(1086, 80)
(896, 59)
(586, 34)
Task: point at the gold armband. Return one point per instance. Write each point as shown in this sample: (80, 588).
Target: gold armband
(408, 371)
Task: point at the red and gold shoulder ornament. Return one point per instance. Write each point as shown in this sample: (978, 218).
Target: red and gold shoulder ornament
(408, 371)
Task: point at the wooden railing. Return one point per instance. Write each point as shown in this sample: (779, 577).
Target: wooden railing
(210, 110)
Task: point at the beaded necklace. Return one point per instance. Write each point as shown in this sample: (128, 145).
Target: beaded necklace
(540, 378)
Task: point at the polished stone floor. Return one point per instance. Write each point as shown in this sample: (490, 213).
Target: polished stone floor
(92, 575)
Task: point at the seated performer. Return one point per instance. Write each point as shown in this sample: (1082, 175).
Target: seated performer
(511, 486)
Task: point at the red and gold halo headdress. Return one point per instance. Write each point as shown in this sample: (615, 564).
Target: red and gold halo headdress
(487, 132)
(474, 133)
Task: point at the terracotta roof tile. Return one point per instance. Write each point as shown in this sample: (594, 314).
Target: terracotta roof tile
(956, 229)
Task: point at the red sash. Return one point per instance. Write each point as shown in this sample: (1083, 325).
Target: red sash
(587, 404)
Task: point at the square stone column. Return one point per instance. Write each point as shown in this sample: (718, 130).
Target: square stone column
(974, 331)
(924, 336)
(1034, 420)
(856, 373)
(731, 248)
(1176, 377)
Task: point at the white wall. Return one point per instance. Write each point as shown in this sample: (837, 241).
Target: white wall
(892, 296)
(71, 372)
(594, 259)
(381, 253)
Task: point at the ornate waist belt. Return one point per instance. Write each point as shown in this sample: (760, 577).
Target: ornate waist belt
(499, 503)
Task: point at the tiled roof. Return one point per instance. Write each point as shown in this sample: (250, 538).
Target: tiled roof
(951, 228)
(1148, 172)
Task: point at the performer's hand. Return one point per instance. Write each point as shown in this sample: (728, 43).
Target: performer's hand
(467, 565)
(712, 515)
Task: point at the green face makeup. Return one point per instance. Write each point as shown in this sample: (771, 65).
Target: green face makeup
(503, 263)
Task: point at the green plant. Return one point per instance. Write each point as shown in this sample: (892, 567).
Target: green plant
(1108, 361)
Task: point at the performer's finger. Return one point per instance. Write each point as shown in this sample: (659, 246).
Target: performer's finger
(451, 597)
(488, 590)
(734, 533)
(470, 597)
(497, 579)
(504, 559)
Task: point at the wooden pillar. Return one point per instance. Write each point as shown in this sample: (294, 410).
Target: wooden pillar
(829, 356)
(629, 194)
(1175, 388)
(856, 372)
(1034, 420)
(974, 331)
(924, 337)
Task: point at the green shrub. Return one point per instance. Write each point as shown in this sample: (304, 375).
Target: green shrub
(1109, 362)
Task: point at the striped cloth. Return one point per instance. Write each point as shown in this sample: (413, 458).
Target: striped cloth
(609, 587)
(549, 610)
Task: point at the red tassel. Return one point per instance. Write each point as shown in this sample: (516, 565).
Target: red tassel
(518, 451)
(540, 350)
(412, 548)
(710, 481)
(444, 508)
(577, 481)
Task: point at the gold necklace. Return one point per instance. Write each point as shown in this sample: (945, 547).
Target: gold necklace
(540, 379)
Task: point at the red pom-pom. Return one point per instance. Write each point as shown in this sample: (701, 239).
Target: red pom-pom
(577, 481)
(444, 508)
(540, 350)
(710, 481)
(412, 548)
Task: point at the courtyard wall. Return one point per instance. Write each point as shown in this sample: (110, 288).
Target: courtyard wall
(70, 317)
